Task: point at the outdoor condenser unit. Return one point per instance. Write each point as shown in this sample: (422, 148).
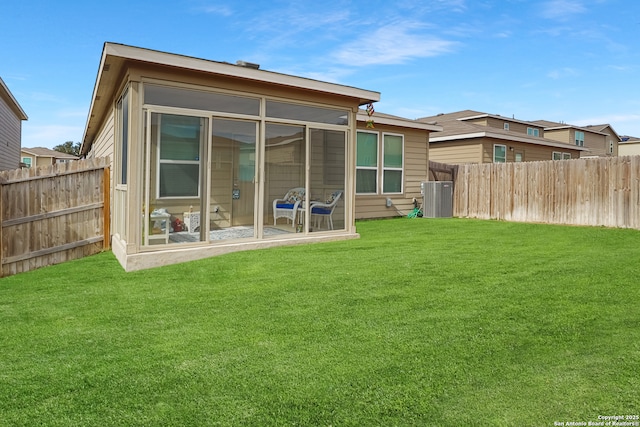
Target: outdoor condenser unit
(437, 199)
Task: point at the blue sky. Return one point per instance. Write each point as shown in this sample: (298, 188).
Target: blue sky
(576, 61)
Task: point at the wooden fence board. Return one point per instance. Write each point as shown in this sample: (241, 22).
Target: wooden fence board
(597, 192)
(53, 214)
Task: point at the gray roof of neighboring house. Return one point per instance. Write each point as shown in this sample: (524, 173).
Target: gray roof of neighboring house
(46, 152)
(455, 128)
(6, 94)
(548, 125)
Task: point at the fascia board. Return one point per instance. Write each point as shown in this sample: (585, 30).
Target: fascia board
(399, 123)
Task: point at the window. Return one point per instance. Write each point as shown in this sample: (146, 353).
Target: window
(123, 123)
(561, 156)
(611, 147)
(579, 138)
(533, 132)
(506, 126)
(179, 156)
(27, 161)
(307, 113)
(367, 163)
(499, 153)
(393, 163)
(200, 100)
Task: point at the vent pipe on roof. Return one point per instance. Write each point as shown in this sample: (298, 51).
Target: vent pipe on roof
(248, 65)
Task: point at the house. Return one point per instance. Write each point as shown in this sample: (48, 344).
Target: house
(11, 117)
(212, 157)
(40, 156)
(600, 140)
(629, 146)
(470, 136)
(392, 159)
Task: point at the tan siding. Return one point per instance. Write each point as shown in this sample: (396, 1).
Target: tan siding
(10, 135)
(416, 170)
(561, 135)
(456, 152)
(597, 144)
(629, 149)
(530, 152)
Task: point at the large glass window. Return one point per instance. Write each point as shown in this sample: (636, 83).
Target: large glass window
(307, 113)
(200, 100)
(533, 132)
(367, 163)
(179, 145)
(499, 153)
(579, 138)
(393, 163)
(27, 161)
(123, 120)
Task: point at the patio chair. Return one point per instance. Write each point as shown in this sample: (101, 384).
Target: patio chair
(287, 207)
(323, 212)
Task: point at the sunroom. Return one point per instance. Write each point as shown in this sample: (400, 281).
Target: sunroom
(211, 157)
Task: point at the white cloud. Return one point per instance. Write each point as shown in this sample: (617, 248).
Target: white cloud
(392, 44)
(562, 73)
(217, 10)
(562, 9)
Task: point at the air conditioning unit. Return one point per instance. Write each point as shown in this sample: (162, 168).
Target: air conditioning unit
(437, 199)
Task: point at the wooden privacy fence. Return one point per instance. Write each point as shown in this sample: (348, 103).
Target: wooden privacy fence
(53, 214)
(597, 192)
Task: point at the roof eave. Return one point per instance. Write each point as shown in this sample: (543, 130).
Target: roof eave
(506, 138)
(412, 124)
(13, 102)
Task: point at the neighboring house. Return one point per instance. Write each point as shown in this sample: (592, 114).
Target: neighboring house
(474, 137)
(40, 156)
(392, 159)
(11, 117)
(629, 146)
(600, 140)
(203, 151)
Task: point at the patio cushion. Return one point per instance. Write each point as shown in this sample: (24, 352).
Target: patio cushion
(285, 205)
(320, 211)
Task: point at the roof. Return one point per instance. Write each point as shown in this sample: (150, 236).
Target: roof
(117, 57)
(548, 125)
(46, 152)
(603, 128)
(455, 128)
(6, 94)
(388, 119)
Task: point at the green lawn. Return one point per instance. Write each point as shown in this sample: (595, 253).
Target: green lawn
(445, 322)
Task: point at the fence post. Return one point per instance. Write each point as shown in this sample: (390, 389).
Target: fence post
(1, 222)
(106, 212)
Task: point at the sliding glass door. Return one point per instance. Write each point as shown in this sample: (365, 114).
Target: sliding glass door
(233, 172)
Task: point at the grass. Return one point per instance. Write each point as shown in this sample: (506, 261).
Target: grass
(444, 322)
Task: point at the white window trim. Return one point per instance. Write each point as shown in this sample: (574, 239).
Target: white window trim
(576, 140)
(494, 152)
(533, 132)
(374, 168)
(383, 168)
(506, 126)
